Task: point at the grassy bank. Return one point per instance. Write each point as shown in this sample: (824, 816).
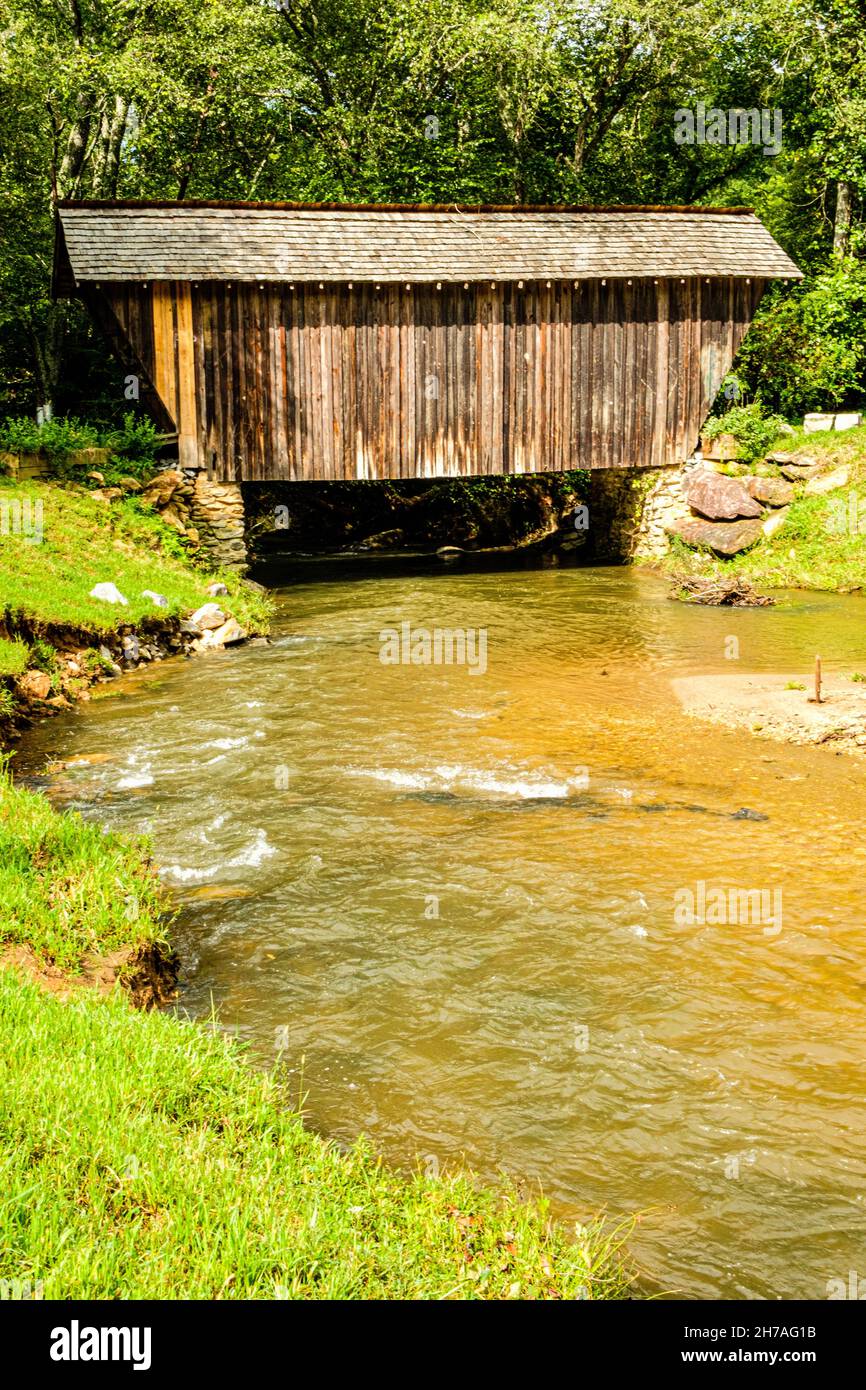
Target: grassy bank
(85, 542)
(822, 544)
(142, 1157)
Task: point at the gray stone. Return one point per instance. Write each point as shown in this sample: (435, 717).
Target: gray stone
(216, 590)
(159, 599)
(724, 537)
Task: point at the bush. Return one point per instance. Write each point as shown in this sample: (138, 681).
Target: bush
(806, 349)
(753, 430)
(133, 447)
(136, 442)
(19, 435)
(61, 437)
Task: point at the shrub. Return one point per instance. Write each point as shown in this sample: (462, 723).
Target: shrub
(806, 349)
(19, 435)
(753, 430)
(136, 442)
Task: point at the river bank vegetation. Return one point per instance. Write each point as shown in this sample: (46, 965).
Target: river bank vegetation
(143, 1158)
(820, 544)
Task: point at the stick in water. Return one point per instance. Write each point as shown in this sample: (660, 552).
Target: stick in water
(818, 680)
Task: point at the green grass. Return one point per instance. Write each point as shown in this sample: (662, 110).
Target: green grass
(810, 551)
(67, 889)
(14, 656)
(141, 1156)
(86, 542)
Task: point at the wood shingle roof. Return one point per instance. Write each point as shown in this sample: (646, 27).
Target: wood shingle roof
(272, 242)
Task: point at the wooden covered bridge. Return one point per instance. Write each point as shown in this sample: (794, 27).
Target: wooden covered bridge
(300, 341)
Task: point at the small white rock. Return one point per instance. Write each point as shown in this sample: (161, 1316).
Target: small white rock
(159, 599)
(849, 420)
(216, 590)
(108, 593)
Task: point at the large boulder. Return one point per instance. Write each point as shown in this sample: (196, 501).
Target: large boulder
(773, 492)
(723, 537)
(719, 498)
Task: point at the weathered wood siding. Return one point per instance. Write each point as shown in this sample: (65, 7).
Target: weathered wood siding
(297, 382)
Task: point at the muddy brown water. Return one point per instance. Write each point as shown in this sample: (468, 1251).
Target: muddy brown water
(452, 905)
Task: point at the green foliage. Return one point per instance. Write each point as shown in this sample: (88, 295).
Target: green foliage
(750, 425)
(14, 656)
(136, 442)
(20, 436)
(133, 445)
(43, 657)
(807, 347)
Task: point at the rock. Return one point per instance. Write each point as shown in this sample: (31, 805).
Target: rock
(159, 599)
(131, 650)
(815, 423)
(724, 537)
(189, 629)
(98, 478)
(261, 642)
(162, 488)
(172, 517)
(848, 420)
(129, 484)
(108, 593)
(816, 487)
(798, 472)
(34, 685)
(209, 616)
(780, 458)
(58, 702)
(773, 492)
(216, 590)
(106, 494)
(775, 522)
(382, 540)
(723, 447)
(719, 498)
(230, 632)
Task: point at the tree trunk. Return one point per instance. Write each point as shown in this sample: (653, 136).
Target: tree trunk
(48, 351)
(842, 223)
